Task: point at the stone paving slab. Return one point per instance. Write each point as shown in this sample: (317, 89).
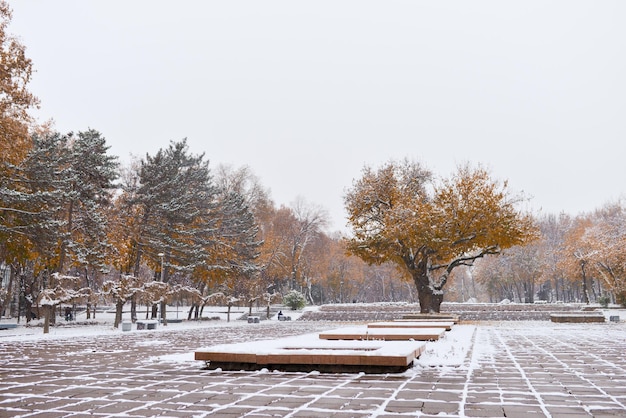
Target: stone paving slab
(514, 370)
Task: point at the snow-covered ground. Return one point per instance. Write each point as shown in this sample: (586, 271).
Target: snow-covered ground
(480, 369)
(102, 324)
(449, 351)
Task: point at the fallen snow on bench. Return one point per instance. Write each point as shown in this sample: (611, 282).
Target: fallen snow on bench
(302, 344)
(387, 334)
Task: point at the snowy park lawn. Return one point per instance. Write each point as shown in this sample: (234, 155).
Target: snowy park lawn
(103, 323)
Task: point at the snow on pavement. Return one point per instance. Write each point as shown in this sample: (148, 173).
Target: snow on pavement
(483, 369)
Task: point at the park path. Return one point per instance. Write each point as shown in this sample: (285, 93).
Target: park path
(514, 369)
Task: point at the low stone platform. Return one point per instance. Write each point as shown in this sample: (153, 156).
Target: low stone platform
(386, 334)
(310, 353)
(412, 324)
(581, 317)
(431, 317)
(361, 312)
(147, 324)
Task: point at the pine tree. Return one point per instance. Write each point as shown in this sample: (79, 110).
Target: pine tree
(233, 246)
(171, 200)
(32, 196)
(90, 182)
(174, 189)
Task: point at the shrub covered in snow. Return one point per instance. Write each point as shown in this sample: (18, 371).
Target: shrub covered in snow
(295, 300)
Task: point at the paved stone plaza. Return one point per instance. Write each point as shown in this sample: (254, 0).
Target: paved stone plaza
(515, 369)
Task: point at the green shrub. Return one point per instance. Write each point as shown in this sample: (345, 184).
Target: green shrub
(604, 301)
(295, 300)
(621, 298)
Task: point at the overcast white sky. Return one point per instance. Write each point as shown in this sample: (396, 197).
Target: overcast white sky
(307, 93)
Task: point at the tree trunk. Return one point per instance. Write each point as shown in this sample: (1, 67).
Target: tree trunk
(556, 288)
(133, 309)
(585, 290)
(47, 311)
(7, 300)
(525, 292)
(63, 249)
(53, 315)
(119, 306)
(164, 313)
(28, 309)
(429, 300)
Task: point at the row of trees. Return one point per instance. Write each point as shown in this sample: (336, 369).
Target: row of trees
(63, 211)
(579, 258)
(75, 226)
(69, 209)
(438, 231)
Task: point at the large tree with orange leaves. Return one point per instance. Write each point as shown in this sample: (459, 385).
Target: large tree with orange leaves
(399, 213)
(15, 103)
(15, 99)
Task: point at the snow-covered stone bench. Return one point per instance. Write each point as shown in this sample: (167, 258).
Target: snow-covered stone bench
(170, 321)
(579, 317)
(386, 334)
(147, 324)
(404, 323)
(431, 317)
(8, 326)
(306, 353)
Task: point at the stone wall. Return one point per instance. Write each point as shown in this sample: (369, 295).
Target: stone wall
(358, 312)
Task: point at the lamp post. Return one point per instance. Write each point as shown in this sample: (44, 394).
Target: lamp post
(162, 263)
(162, 255)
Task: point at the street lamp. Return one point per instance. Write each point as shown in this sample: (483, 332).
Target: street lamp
(162, 263)
(162, 303)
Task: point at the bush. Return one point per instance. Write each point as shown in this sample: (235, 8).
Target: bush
(295, 300)
(604, 301)
(621, 298)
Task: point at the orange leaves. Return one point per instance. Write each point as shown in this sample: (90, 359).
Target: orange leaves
(385, 207)
(15, 99)
(474, 212)
(398, 212)
(594, 245)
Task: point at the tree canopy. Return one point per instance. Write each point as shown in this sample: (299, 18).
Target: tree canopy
(15, 99)
(401, 214)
